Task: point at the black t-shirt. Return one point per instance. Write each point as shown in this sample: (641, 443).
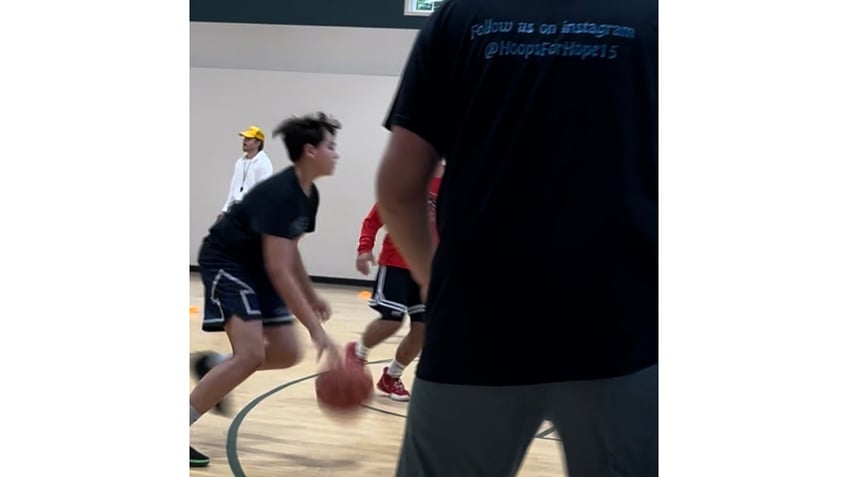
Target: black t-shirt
(546, 113)
(276, 206)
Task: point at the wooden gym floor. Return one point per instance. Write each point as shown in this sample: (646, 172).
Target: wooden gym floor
(278, 429)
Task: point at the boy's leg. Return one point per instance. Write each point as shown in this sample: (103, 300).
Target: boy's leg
(245, 338)
(201, 363)
(390, 382)
(387, 299)
(248, 344)
(412, 343)
(409, 347)
(377, 331)
(391, 297)
(232, 306)
(282, 349)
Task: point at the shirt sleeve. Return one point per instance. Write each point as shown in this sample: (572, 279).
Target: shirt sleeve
(231, 195)
(368, 233)
(264, 170)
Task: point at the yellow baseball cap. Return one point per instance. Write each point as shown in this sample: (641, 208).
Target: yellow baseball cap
(253, 132)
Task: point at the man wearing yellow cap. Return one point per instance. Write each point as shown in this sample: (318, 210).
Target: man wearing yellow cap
(251, 168)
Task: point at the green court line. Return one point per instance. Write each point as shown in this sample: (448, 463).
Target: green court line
(232, 432)
(383, 411)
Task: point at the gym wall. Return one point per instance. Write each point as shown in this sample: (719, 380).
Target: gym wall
(244, 74)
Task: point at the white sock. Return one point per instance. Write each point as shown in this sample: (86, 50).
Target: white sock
(396, 369)
(361, 350)
(214, 359)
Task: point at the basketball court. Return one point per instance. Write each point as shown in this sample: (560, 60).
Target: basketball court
(278, 428)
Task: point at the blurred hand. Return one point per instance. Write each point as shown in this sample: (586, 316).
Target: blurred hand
(322, 309)
(323, 343)
(363, 262)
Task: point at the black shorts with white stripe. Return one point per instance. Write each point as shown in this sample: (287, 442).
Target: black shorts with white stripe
(396, 294)
(230, 289)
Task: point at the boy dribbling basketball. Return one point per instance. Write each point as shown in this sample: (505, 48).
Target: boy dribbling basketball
(254, 279)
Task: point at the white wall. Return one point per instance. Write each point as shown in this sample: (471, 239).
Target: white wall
(237, 81)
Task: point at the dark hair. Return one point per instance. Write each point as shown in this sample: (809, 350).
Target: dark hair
(297, 132)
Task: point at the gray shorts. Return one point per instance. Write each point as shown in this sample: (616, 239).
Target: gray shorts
(608, 427)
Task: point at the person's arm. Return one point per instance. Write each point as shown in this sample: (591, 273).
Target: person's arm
(403, 182)
(303, 277)
(421, 122)
(263, 171)
(231, 195)
(284, 267)
(367, 235)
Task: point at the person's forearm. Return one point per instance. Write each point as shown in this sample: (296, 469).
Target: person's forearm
(368, 232)
(287, 284)
(403, 179)
(304, 280)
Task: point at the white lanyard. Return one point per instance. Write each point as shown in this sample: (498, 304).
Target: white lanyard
(245, 170)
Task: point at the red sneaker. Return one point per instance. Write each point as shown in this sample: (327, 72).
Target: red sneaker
(351, 356)
(393, 387)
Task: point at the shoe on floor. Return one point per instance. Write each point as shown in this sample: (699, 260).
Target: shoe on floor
(201, 364)
(196, 459)
(351, 356)
(393, 387)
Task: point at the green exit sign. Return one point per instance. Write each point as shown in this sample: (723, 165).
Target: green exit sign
(421, 7)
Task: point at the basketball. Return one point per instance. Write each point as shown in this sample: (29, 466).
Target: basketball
(342, 388)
